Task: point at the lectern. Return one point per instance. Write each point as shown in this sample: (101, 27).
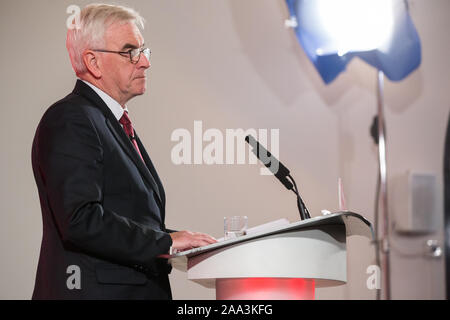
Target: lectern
(285, 262)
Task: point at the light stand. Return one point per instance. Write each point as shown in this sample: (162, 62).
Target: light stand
(383, 243)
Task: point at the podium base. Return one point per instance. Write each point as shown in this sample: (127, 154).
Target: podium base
(265, 289)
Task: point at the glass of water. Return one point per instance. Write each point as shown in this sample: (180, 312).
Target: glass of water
(235, 226)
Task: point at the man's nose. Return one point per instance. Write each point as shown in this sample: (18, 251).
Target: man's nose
(144, 62)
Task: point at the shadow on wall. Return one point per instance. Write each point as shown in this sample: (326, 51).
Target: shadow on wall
(269, 47)
(399, 96)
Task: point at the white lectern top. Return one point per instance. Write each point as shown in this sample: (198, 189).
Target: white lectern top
(353, 223)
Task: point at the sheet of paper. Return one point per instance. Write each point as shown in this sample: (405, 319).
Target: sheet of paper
(265, 227)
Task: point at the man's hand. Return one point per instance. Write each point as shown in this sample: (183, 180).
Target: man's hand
(185, 240)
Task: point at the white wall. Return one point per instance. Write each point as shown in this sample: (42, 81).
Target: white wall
(232, 64)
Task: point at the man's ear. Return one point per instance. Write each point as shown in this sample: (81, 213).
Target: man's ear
(92, 63)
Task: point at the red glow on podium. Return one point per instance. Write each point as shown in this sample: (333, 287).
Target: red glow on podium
(265, 289)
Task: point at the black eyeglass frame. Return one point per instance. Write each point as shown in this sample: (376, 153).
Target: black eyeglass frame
(123, 53)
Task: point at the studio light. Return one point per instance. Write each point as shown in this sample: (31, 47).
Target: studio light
(344, 31)
(380, 32)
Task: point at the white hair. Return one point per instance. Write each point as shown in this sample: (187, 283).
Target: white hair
(94, 19)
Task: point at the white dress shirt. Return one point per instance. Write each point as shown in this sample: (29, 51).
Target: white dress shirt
(112, 104)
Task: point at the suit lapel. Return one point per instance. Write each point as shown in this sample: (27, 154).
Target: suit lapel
(115, 128)
(126, 144)
(152, 169)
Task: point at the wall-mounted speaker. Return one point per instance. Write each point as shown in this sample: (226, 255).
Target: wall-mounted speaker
(414, 203)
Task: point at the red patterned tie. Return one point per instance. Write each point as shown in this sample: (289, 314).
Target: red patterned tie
(128, 128)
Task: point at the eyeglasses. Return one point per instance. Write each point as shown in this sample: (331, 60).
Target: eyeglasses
(134, 54)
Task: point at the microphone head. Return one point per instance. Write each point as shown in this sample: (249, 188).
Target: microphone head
(272, 163)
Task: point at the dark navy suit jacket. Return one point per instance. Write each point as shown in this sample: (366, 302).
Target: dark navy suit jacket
(103, 208)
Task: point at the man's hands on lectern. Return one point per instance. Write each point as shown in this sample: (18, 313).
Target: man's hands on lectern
(185, 240)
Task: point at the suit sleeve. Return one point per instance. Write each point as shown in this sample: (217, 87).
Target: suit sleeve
(70, 156)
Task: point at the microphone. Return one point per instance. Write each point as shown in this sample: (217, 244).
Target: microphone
(272, 163)
(279, 170)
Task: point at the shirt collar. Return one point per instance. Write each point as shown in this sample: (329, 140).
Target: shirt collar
(112, 104)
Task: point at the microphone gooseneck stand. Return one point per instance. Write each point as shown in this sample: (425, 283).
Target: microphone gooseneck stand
(304, 213)
(281, 172)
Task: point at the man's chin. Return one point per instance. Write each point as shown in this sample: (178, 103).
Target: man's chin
(140, 91)
(141, 85)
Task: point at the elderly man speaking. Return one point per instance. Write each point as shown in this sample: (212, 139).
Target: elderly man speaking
(103, 204)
